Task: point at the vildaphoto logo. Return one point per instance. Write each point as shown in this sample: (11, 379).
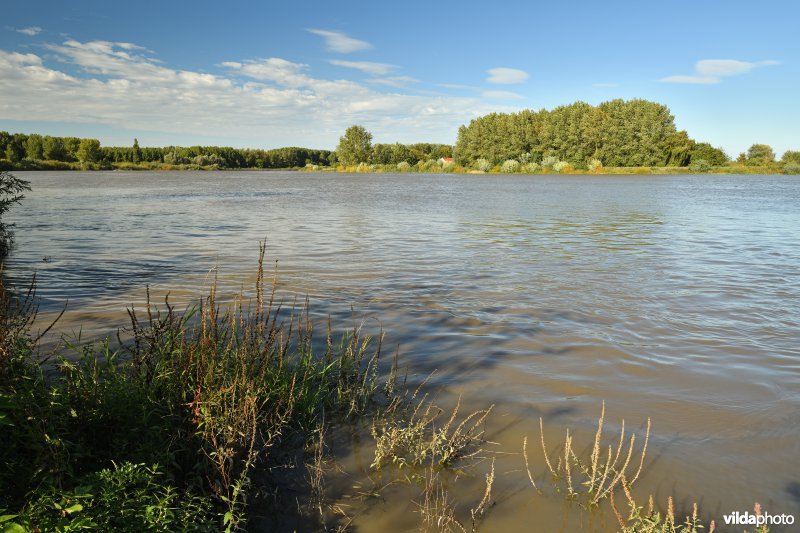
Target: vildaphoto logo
(758, 517)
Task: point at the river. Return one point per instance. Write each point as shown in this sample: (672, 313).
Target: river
(670, 297)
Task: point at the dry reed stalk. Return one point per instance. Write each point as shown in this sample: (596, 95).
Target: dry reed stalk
(544, 448)
(527, 466)
(596, 447)
(478, 512)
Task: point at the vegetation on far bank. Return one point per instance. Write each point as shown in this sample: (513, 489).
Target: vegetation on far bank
(615, 137)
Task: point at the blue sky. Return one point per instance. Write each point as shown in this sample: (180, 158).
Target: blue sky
(269, 74)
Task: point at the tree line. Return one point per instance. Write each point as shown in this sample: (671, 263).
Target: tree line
(19, 148)
(617, 133)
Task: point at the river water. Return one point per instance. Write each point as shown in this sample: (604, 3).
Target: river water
(670, 297)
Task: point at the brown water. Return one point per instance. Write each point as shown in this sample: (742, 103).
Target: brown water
(670, 297)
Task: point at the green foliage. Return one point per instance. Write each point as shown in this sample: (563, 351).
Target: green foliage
(790, 156)
(530, 168)
(54, 148)
(791, 168)
(699, 166)
(355, 146)
(137, 152)
(127, 497)
(11, 188)
(206, 394)
(549, 161)
(483, 165)
(678, 149)
(595, 165)
(714, 156)
(88, 151)
(34, 147)
(620, 133)
(562, 166)
(510, 166)
(760, 154)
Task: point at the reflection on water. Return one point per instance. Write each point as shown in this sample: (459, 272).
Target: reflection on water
(674, 297)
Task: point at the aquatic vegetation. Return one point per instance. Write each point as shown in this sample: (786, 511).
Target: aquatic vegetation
(593, 479)
(407, 434)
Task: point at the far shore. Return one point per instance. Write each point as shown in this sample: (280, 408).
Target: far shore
(730, 168)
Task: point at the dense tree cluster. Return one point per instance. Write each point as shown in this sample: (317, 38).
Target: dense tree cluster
(19, 146)
(617, 133)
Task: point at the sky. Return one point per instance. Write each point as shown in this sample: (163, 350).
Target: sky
(272, 74)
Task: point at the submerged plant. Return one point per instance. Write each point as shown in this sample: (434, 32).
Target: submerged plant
(409, 435)
(596, 477)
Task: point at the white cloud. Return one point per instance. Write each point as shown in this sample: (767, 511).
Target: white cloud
(506, 76)
(398, 82)
(711, 71)
(377, 69)
(31, 31)
(697, 80)
(339, 42)
(501, 95)
(270, 102)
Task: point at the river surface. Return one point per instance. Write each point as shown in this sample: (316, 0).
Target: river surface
(670, 297)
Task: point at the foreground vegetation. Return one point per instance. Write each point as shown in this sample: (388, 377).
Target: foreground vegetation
(11, 189)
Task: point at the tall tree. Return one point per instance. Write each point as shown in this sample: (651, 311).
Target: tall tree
(355, 146)
(34, 148)
(88, 151)
(53, 148)
(790, 156)
(760, 154)
(137, 152)
(706, 152)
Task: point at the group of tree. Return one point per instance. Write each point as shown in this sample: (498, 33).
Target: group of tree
(19, 147)
(355, 147)
(618, 133)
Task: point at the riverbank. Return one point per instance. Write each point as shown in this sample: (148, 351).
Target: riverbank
(431, 167)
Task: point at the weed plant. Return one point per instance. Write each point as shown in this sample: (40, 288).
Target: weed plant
(187, 408)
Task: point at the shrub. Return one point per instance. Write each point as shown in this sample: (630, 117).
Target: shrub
(700, 166)
(127, 497)
(403, 166)
(561, 166)
(595, 165)
(549, 161)
(510, 166)
(483, 165)
(791, 168)
(530, 168)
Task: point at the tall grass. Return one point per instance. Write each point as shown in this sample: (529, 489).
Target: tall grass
(200, 397)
